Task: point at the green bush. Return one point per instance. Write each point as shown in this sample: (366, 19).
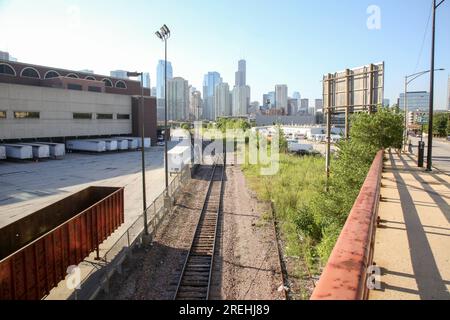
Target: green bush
(311, 218)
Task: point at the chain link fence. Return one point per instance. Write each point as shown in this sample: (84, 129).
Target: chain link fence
(112, 260)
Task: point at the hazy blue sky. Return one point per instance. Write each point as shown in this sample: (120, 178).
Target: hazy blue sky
(291, 42)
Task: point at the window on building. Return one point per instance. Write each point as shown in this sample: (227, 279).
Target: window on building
(90, 78)
(123, 117)
(7, 69)
(94, 89)
(30, 73)
(51, 74)
(108, 83)
(73, 86)
(82, 116)
(26, 115)
(104, 116)
(121, 85)
(2, 114)
(72, 75)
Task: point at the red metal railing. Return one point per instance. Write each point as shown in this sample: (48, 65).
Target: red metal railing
(32, 271)
(345, 275)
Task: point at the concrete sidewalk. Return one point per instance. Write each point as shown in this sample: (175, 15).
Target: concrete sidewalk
(412, 245)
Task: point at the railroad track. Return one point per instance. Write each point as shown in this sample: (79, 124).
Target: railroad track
(195, 281)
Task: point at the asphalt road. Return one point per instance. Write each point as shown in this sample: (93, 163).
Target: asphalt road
(441, 153)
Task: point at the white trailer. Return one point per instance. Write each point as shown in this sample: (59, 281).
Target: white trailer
(297, 147)
(122, 143)
(19, 152)
(86, 145)
(2, 153)
(133, 143)
(178, 158)
(40, 151)
(147, 142)
(111, 144)
(57, 150)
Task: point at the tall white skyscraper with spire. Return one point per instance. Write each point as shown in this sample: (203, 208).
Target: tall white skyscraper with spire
(241, 74)
(241, 92)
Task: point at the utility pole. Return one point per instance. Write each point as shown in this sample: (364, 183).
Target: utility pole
(430, 122)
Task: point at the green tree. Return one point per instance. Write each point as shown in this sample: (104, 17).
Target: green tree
(383, 129)
(440, 124)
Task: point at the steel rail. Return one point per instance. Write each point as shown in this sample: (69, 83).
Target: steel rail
(201, 219)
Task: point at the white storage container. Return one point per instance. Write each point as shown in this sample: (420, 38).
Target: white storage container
(122, 144)
(178, 158)
(57, 150)
(2, 153)
(40, 151)
(86, 145)
(297, 147)
(133, 143)
(111, 144)
(19, 152)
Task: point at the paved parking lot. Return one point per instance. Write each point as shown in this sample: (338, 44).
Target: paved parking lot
(29, 186)
(26, 187)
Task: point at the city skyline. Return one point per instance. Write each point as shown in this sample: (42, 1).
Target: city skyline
(399, 45)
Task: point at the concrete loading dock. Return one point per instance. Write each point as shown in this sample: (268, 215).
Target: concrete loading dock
(18, 152)
(39, 151)
(86, 145)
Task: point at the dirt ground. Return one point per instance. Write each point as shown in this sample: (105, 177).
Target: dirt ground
(246, 264)
(153, 271)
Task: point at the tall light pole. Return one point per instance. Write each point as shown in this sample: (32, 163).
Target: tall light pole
(164, 34)
(408, 80)
(144, 189)
(430, 121)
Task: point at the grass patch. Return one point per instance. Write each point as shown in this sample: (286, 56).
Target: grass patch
(299, 181)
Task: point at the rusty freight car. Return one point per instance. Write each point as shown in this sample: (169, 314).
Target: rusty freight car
(36, 251)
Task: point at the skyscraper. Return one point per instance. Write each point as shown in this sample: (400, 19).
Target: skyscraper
(147, 83)
(241, 74)
(292, 107)
(297, 95)
(241, 94)
(241, 101)
(417, 101)
(304, 106)
(281, 97)
(319, 104)
(178, 99)
(195, 105)
(222, 100)
(211, 80)
(160, 70)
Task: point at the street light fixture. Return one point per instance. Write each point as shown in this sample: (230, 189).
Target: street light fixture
(430, 121)
(164, 34)
(408, 80)
(144, 189)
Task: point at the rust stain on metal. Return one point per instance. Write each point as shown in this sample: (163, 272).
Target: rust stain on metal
(36, 251)
(345, 274)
